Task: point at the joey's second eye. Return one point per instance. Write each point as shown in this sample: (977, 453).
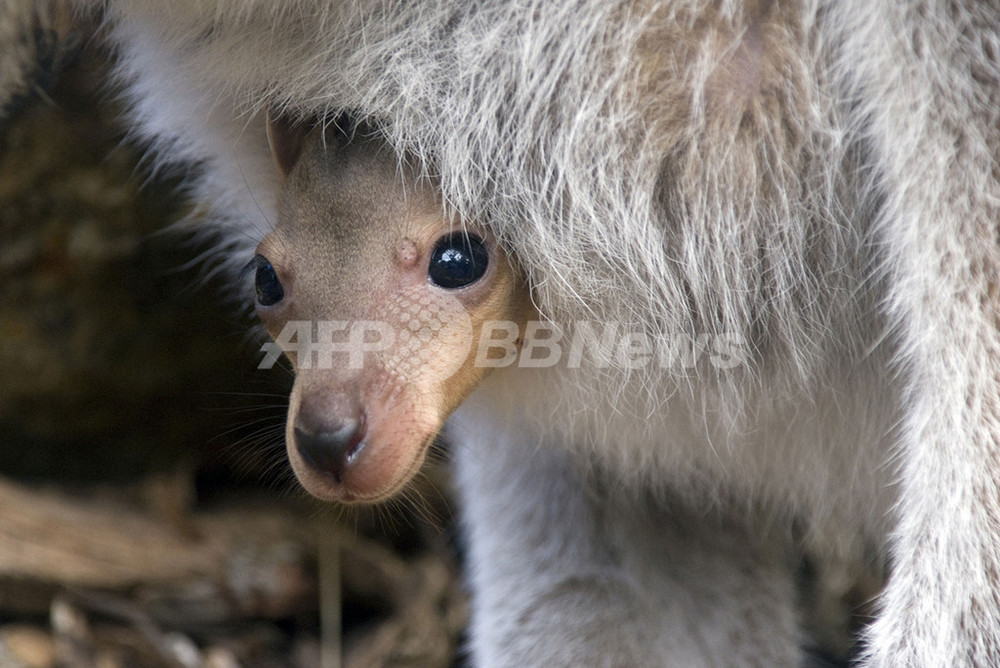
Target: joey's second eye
(266, 283)
(458, 260)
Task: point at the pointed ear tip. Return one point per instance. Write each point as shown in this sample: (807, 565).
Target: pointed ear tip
(285, 138)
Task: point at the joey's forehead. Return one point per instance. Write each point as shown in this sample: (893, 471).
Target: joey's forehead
(347, 199)
(329, 231)
(324, 231)
(337, 207)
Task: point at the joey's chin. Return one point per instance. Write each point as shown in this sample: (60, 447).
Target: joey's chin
(377, 470)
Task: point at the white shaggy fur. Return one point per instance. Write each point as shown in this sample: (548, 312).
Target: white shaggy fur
(818, 182)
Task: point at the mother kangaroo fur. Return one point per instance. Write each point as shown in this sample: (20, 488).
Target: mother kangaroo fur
(815, 183)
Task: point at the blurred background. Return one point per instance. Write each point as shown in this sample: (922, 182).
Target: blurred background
(148, 516)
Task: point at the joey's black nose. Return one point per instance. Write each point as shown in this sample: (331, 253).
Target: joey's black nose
(331, 450)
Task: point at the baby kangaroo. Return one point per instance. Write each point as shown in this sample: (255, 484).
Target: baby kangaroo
(376, 296)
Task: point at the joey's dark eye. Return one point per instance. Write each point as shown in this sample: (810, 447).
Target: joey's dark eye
(458, 260)
(266, 283)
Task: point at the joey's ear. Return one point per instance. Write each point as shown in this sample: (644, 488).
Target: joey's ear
(286, 138)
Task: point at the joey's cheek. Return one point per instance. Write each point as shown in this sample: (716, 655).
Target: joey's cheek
(432, 334)
(274, 320)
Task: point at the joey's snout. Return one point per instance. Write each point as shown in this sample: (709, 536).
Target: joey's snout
(357, 446)
(328, 436)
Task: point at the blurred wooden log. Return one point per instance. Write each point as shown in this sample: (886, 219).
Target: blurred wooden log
(51, 537)
(237, 561)
(154, 576)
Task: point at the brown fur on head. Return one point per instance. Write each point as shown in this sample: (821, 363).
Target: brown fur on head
(347, 266)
